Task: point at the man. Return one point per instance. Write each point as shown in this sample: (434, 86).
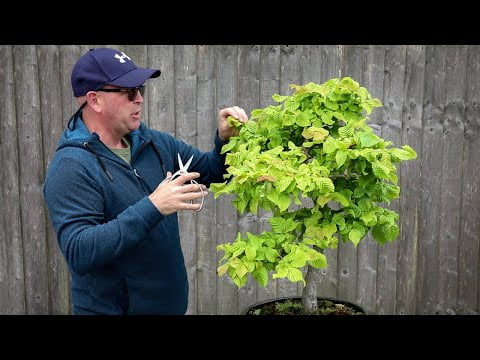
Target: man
(111, 196)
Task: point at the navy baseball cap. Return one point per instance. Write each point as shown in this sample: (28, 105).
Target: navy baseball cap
(102, 66)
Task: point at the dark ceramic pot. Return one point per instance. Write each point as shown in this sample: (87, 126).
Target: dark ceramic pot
(271, 302)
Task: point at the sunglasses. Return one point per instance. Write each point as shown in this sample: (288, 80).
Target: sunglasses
(132, 92)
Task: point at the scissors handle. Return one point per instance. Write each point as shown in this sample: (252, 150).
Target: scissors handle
(180, 172)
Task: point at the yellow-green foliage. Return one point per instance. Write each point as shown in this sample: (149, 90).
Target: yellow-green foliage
(315, 144)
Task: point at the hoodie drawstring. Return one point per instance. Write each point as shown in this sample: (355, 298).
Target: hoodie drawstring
(104, 168)
(102, 164)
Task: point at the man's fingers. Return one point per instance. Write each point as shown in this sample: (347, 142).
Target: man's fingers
(191, 196)
(235, 111)
(184, 178)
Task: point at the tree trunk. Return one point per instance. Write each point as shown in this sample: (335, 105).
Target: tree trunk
(309, 294)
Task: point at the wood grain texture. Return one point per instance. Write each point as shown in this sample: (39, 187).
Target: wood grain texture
(319, 64)
(367, 250)
(226, 95)
(269, 85)
(161, 90)
(451, 184)
(52, 127)
(394, 79)
(409, 175)
(248, 99)
(12, 276)
(30, 157)
(430, 197)
(206, 219)
(290, 56)
(469, 240)
(352, 66)
(186, 121)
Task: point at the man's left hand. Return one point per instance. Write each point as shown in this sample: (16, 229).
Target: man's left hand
(225, 131)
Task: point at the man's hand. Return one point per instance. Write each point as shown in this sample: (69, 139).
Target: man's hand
(171, 196)
(225, 131)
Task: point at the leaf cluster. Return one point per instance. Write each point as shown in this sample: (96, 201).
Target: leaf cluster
(314, 144)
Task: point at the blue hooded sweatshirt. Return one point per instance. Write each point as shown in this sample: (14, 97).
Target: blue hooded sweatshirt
(124, 256)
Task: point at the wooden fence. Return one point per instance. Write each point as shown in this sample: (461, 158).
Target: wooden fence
(431, 98)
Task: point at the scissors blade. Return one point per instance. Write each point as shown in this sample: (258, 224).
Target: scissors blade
(180, 163)
(187, 165)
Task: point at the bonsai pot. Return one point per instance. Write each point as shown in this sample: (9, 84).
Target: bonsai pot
(292, 305)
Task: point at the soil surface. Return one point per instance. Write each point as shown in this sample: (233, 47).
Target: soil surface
(294, 307)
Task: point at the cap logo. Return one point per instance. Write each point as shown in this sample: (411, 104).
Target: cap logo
(122, 57)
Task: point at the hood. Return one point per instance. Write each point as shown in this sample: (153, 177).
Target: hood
(79, 134)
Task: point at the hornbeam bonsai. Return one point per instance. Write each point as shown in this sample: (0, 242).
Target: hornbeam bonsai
(315, 144)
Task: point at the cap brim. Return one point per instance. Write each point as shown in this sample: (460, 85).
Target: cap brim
(136, 77)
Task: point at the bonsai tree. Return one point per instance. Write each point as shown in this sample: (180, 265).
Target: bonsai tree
(315, 150)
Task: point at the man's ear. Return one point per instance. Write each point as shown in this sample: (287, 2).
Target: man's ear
(93, 101)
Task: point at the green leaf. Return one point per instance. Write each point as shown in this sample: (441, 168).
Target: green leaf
(345, 131)
(253, 205)
(329, 145)
(340, 158)
(355, 236)
(325, 185)
(222, 269)
(336, 196)
(380, 170)
(295, 275)
(391, 232)
(291, 104)
(271, 255)
(261, 276)
(320, 262)
(250, 253)
(282, 272)
(228, 146)
(279, 98)
(367, 140)
(240, 281)
(278, 224)
(283, 202)
(283, 184)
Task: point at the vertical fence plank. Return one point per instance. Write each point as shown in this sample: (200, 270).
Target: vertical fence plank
(451, 186)
(248, 99)
(52, 127)
(319, 64)
(206, 229)
(290, 73)
(409, 175)
(31, 180)
(161, 104)
(347, 252)
(12, 286)
(68, 55)
(269, 85)
(367, 251)
(226, 214)
(392, 131)
(430, 208)
(185, 113)
(469, 240)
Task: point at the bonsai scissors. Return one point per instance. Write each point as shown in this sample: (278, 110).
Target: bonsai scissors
(183, 170)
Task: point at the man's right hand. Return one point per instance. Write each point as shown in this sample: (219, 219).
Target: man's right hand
(174, 195)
